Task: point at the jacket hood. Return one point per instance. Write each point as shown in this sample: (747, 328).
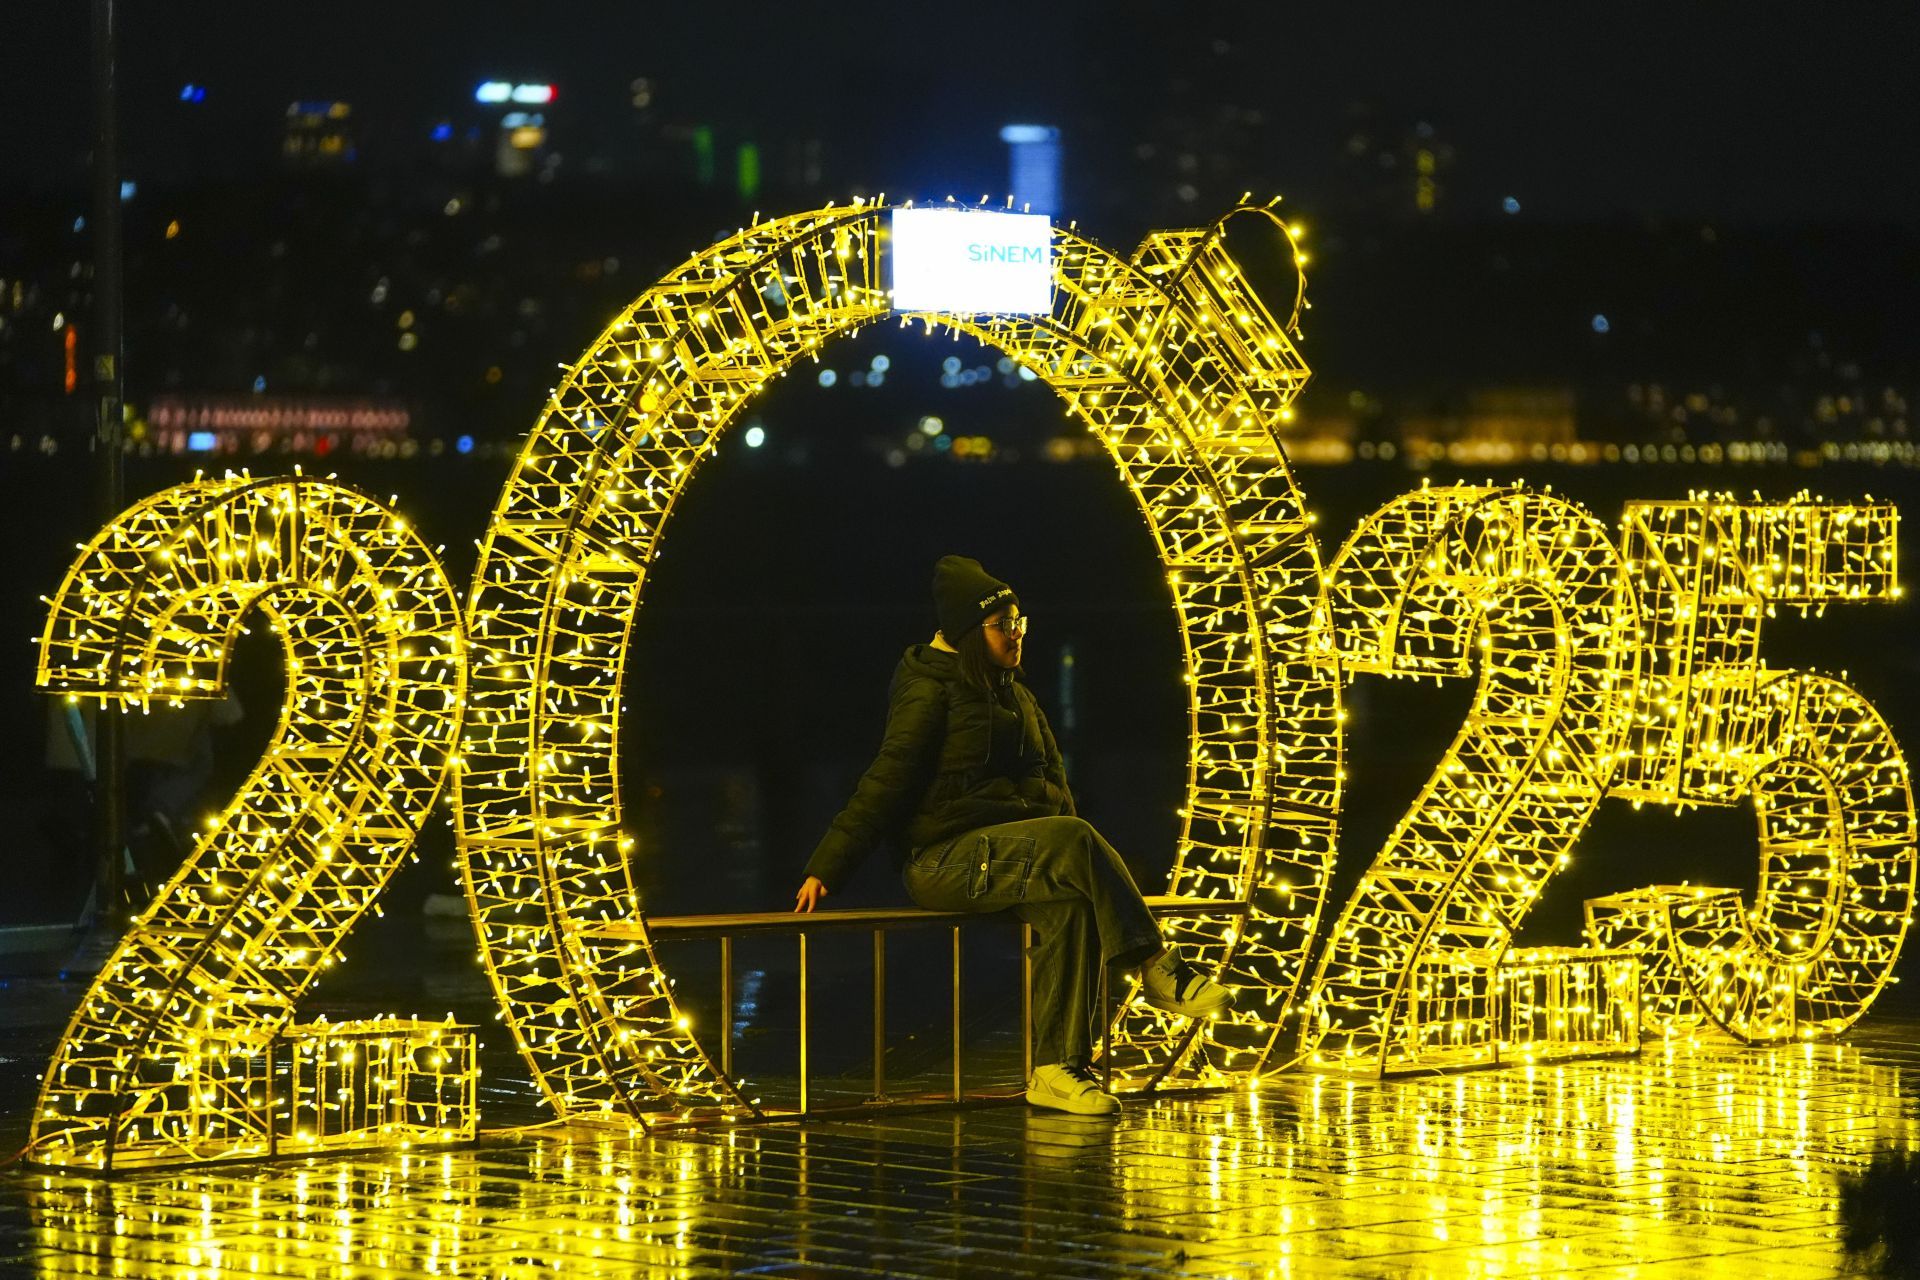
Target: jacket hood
(924, 659)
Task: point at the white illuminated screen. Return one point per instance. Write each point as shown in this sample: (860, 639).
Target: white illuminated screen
(965, 261)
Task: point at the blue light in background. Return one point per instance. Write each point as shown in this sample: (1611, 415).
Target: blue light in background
(1510, 204)
(1601, 325)
(463, 445)
(193, 93)
(200, 441)
(441, 132)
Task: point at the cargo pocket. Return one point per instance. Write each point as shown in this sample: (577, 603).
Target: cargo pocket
(1001, 865)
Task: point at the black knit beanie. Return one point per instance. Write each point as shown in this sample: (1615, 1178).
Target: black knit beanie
(964, 594)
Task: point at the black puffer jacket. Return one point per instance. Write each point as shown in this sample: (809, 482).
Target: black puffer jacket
(953, 759)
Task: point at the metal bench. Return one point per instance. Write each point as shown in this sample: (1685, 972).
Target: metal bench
(880, 921)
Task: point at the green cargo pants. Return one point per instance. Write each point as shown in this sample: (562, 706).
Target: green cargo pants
(1058, 875)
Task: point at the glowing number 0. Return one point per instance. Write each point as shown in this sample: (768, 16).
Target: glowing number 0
(1176, 368)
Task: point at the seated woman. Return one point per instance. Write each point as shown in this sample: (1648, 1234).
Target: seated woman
(970, 774)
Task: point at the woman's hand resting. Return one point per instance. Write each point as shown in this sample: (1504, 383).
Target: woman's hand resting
(810, 894)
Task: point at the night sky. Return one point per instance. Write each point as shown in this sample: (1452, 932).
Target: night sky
(1750, 112)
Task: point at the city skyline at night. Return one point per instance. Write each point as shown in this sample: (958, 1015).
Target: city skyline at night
(1765, 115)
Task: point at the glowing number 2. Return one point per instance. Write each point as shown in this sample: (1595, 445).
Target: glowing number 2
(375, 678)
(1534, 582)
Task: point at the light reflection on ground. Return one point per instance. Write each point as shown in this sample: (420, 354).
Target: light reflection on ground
(1705, 1160)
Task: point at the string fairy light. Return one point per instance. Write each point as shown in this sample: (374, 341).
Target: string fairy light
(182, 1047)
(1175, 366)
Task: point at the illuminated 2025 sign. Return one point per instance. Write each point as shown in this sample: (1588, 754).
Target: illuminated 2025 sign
(1608, 661)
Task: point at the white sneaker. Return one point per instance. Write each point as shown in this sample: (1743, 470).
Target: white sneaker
(1172, 985)
(1067, 1088)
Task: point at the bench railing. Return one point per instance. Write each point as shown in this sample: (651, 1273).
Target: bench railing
(880, 921)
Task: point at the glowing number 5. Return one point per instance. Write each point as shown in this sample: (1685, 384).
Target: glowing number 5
(1829, 785)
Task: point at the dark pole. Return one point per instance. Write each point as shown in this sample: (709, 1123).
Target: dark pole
(110, 423)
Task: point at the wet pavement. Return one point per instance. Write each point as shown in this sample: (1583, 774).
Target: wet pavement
(1697, 1159)
(1701, 1159)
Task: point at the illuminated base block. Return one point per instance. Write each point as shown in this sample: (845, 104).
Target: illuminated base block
(1541, 1004)
(1703, 967)
(1569, 1002)
(1639, 921)
(318, 1087)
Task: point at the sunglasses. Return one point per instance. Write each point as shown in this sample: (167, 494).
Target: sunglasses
(1012, 628)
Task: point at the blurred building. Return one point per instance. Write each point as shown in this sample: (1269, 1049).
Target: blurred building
(1319, 438)
(521, 148)
(307, 424)
(1033, 167)
(318, 135)
(1493, 425)
(803, 163)
(522, 144)
(1393, 170)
